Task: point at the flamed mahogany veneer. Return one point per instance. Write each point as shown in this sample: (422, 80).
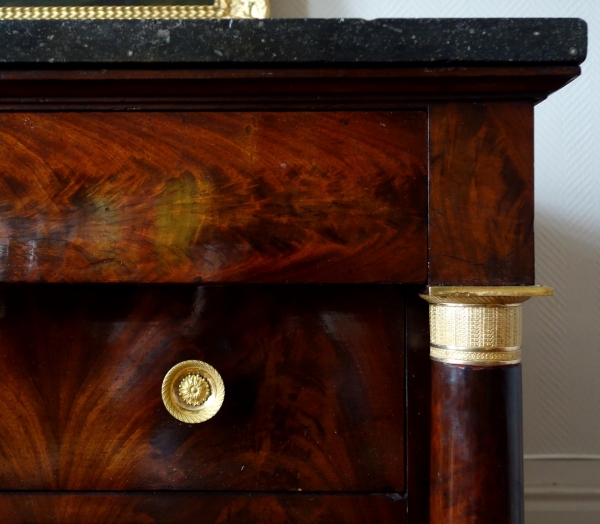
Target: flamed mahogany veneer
(214, 197)
(215, 267)
(313, 400)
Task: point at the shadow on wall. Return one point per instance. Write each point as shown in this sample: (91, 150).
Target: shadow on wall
(561, 357)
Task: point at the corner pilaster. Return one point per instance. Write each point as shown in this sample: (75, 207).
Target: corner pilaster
(476, 474)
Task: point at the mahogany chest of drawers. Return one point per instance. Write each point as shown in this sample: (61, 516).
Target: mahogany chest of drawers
(270, 198)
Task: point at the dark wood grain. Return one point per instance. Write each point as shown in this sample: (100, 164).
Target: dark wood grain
(200, 508)
(476, 445)
(314, 379)
(418, 406)
(267, 88)
(213, 197)
(258, 175)
(481, 194)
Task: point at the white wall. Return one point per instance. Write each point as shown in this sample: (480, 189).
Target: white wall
(561, 341)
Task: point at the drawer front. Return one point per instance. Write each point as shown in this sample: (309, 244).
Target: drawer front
(189, 197)
(314, 380)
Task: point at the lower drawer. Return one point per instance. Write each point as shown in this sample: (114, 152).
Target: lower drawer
(314, 379)
(176, 508)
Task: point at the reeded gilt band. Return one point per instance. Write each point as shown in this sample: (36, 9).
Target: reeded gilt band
(478, 326)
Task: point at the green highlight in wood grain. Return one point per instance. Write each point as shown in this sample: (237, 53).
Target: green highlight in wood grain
(104, 221)
(184, 197)
(180, 212)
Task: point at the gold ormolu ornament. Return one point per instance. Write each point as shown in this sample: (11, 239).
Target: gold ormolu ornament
(193, 391)
(220, 9)
(478, 326)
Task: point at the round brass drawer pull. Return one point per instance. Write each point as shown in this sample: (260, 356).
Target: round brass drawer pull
(193, 391)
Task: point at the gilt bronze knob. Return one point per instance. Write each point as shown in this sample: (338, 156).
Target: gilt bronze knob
(193, 391)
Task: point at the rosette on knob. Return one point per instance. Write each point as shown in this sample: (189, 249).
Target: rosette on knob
(193, 391)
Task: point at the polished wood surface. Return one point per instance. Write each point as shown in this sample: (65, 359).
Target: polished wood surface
(481, 194)
(314, 388)
(269, 176)
(418, 405)
(136, 88)
(476, 445)
(201, 508)
(189, 197)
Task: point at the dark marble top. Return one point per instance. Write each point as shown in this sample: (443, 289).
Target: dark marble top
(278, 42)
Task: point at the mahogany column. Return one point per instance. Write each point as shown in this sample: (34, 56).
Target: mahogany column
(476, 428)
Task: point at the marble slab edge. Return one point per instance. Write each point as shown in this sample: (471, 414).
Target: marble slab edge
(296, 42)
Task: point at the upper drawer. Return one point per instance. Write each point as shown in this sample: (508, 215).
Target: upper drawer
(213, 197)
